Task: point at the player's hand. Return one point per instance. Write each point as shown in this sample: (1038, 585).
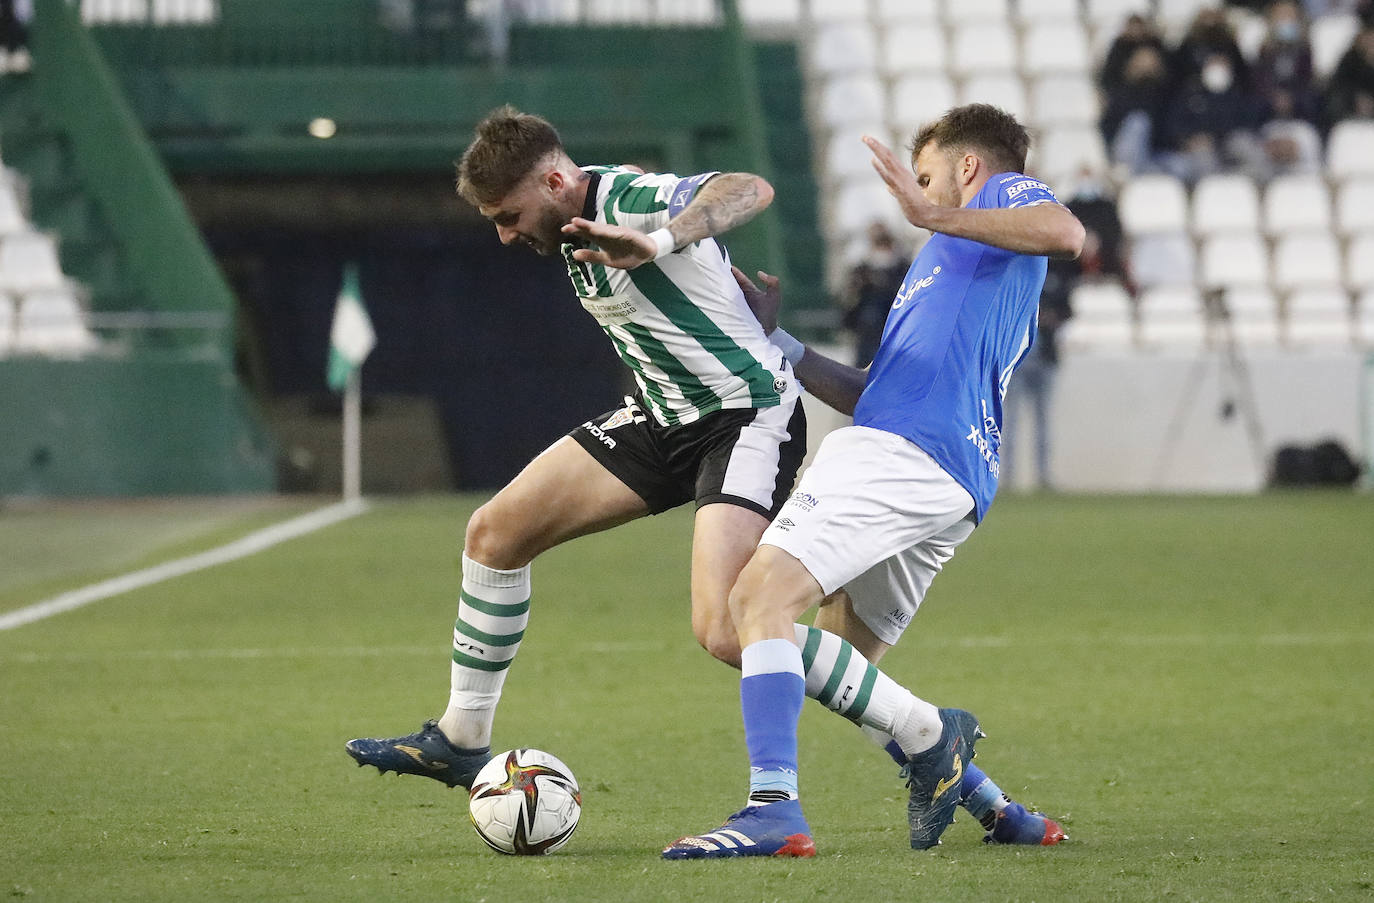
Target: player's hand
(763, 302)
(901, 182)
(620, 246)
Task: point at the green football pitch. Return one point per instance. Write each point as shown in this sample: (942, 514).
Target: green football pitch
(1187, 682)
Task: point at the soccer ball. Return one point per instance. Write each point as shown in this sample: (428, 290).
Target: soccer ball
(525, 802)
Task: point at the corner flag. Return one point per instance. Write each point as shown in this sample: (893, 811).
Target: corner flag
(351, 338)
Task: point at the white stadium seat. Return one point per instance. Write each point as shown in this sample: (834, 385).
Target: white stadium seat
(1355, 206)
(1235, 260)
(977, 10)
(1318, 317)
(1309, 260)
(1153, 203)
(1029, 12)
(842, 47)
(106, 12)
(1359, 263)
(918, 99)
(12, 216)
(1297, 204)
(837, 10)
(50, 322)
(28, 262)
(1364, 319)
(846, 156)
(1172, 317)
(1330, 37)
(1064, 151)
(1350, 149)
(892, 11)
(1064, 100)
(1225, 203)
(1001, 89)
(1251, 316)
(981, 47)
(849, 99)
(1055, 46)
(1163, 258)
(770, 12)
(857, 203)
(184, 12)
(1102, 318)
(914, 47)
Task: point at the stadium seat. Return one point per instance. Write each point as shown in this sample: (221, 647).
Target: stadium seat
(111, 12)
(842, 47)
(770, 12)
(12, 216)
(562, 12)
(1318, 317)
(1307, 260)
(837, 10)
(1055, 47)
(1251, 29)
(1153, 203)
(1064, 151)
(50, 322)
(1355, 206)
(1064, 100)
(1001, 89)
(1296, 204)
(1350, 149)
(1364, 319)
(1107, 16)
(918, 99)
(616, 12)
(889, 12)
(982, 47)
(1225, 203)
(1029, 12)
(917, 46)
(1330, 37)
(1163, 258)
(1172, 317)
(1102, 318)
(28, 262)
(184, 12)
(1250, 316)
(846, 100)
(977, 10)
(1359, 263)
(856, 203)
(847, 157)
(1230, 261)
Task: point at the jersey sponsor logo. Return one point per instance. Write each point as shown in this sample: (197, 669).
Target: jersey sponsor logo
(987, 439)
(616, 310)
(804, 500)
(904, 294)
(1025, 185)
(599, 433)
(684, 190)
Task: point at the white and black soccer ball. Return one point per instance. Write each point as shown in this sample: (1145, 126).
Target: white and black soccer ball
(525, 802)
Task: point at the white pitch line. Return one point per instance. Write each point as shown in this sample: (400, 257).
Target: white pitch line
(239, 548)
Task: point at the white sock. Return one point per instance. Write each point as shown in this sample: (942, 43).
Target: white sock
(492, 614)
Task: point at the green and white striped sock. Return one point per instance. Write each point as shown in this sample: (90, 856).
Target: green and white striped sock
(842, 680)
(492, 614)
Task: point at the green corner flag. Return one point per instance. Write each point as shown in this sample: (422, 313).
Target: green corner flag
(351, 338)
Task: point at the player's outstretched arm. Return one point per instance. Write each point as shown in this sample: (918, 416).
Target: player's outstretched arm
(1047, 229)
(722, 203)
(838, 385)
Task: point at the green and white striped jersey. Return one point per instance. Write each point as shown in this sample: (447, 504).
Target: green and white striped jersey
(680, 323)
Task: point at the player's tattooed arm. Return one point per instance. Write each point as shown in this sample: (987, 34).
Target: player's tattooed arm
(722, 203)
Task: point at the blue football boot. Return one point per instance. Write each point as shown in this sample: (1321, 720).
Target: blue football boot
(774, 829)
(1018, 825)
(426, 753)
(934, 776)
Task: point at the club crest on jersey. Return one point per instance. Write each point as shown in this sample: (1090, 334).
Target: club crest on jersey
(779, 384)
(619, 418)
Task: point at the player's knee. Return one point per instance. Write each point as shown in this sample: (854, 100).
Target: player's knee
(490, 540)
(721, 641)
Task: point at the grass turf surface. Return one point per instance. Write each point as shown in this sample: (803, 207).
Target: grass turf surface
(1186, 680)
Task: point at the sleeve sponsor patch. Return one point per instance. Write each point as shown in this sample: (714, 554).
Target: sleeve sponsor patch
(685, 190)
(1022, 191)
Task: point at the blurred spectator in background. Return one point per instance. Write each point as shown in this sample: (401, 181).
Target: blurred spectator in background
(1211, 123)
(1350, 90)
(1138, 32)
(873, 283)
(1132, 106)
(14, 35)
(1292, 144)
(1283, 65)
(1210, 35)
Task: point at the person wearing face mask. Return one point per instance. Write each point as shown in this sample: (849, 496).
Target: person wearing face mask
(1211, 124)
(873, 282)
(1208, 36)
(1283, 65)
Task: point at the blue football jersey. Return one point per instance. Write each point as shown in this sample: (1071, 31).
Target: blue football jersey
(962, 321)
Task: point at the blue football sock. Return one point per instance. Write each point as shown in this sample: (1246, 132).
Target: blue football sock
(771, 692)
(980, 796)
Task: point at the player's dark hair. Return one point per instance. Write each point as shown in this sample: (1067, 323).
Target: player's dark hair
(982, 128)
(507, 145)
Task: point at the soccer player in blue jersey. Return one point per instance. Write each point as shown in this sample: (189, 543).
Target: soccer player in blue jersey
(888, 500)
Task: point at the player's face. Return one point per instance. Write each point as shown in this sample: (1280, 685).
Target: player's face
(528, 215)
(935, 173)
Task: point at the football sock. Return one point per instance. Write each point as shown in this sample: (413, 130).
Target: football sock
(842, 680)
(492, 613)
(771, 690)
(981, 797)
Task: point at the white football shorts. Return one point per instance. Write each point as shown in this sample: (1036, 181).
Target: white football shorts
(876, 515)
